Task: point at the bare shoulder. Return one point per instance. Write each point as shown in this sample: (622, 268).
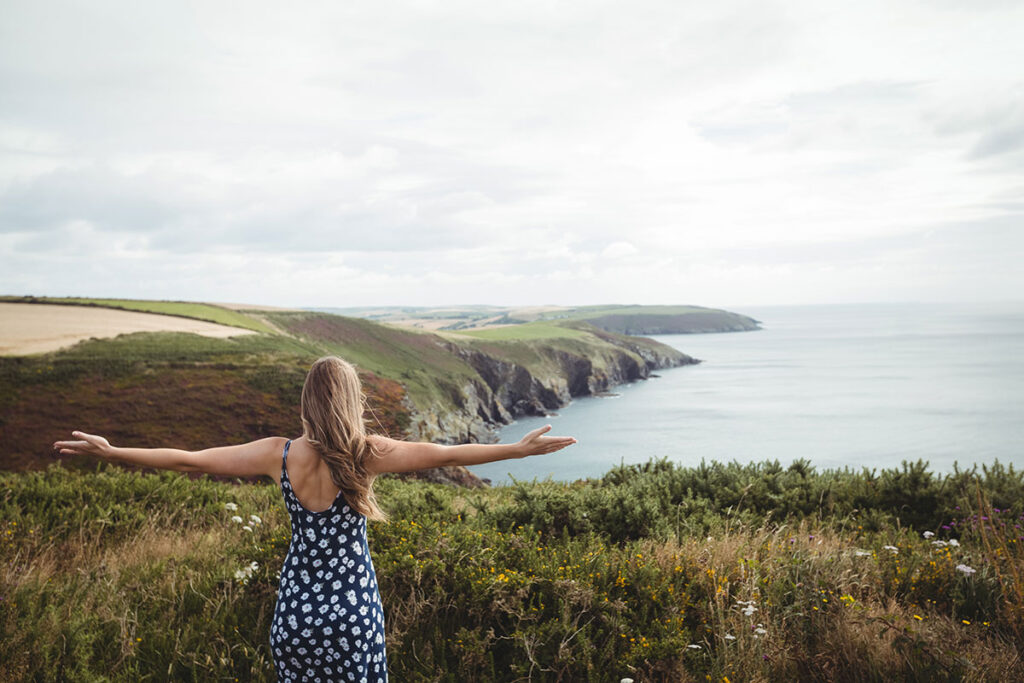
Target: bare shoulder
(387, 452)
(381, 443)
(270, 445)
(271, 453)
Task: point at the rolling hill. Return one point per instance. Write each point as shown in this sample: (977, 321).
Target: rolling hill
(193, 391)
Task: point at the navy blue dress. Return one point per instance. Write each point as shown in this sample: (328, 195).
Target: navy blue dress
(328, 622)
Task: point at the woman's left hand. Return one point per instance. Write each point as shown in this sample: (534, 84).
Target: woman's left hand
(535, 443)
(88, 444)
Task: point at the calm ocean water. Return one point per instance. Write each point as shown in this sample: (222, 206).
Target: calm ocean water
(854, 385)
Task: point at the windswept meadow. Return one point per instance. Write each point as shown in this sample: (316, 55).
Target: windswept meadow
(654, 572)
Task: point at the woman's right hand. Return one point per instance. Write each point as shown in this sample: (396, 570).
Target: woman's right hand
(535, 443)
(87, 444)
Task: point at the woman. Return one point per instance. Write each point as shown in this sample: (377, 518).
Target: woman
(328, 623)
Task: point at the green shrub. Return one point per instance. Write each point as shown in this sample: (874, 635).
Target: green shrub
(654, 572)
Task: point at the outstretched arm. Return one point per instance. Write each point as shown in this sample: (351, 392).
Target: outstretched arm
(404, 456)
(244, 460)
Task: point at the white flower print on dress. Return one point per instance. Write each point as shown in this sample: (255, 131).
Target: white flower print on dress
(327, 568)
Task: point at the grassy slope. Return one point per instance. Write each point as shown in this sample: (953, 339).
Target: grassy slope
(183, 309)
(526, 331)
(431, 372)
(662, 319)
(169, 388)
(109, 575)
(152, 387)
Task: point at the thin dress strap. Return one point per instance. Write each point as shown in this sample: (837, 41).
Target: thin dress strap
(284, 460)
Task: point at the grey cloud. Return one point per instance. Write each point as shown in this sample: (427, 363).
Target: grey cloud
(194, 213)
(1002, 140)
(850, 96)
(92, 194)
(826, 117)
(991, 240)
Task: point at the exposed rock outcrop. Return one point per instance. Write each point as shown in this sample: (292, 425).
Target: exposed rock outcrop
(505, 390)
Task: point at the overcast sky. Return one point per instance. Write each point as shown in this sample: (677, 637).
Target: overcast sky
(422, 153)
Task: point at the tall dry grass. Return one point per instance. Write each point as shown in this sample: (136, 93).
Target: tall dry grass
(119, 576)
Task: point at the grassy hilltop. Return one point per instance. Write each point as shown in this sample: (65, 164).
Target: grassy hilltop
(653, 572)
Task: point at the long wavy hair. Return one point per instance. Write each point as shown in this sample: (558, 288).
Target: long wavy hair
(332, 410)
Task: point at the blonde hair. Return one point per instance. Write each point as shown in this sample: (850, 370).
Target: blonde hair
(332, 409)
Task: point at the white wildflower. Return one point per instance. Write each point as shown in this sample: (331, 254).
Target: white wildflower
(236, 518)
(955, 543)
(862, 553)
(729, 636)
(748, 608)
(626, 680)
(939, 544)
(892, 549)
(230, 506)
(247, 527)
(244, 573)
(693, 646)
(965, 569)
(760, 630)
(255, 520)
(928, 534)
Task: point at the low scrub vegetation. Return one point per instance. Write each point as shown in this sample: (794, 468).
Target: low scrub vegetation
(653, 572)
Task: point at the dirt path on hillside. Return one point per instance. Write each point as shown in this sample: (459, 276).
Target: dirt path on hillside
(38, 328)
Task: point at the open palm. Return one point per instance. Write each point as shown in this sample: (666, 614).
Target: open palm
(535, 443)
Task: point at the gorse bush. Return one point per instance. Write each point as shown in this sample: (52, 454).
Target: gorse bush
(654, 572)
(659, 499)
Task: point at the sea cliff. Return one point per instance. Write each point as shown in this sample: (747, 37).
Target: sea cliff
(462, 388)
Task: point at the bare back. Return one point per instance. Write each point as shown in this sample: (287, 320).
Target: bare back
(310, 477)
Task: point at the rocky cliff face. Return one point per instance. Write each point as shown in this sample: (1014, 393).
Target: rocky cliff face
(505, 390)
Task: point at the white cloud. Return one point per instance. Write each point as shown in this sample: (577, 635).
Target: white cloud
(457, 152)
(618, 250)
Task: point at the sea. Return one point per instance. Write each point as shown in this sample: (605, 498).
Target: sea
(841, 386)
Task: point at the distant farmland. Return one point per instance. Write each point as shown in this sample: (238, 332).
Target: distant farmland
(39, 328)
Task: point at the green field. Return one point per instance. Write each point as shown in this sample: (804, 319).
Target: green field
(654, 572)
(182, 309)
(525, 331)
